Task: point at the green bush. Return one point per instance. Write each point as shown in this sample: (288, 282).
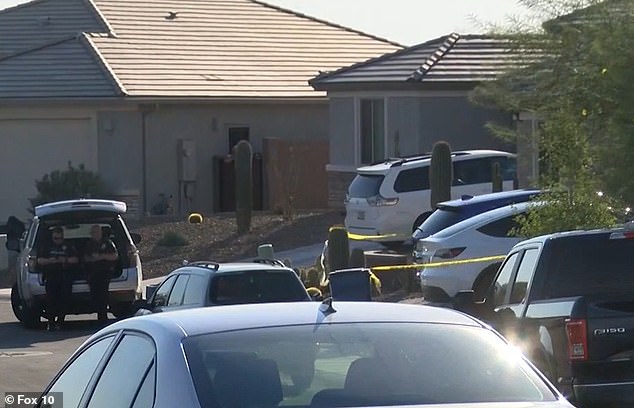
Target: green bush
(172, 239)
(72, 183)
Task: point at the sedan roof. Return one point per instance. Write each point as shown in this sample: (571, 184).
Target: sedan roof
(191, 322)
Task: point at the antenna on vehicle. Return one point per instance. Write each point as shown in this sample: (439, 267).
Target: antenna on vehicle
(326, 307)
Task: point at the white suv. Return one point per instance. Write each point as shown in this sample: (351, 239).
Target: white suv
(387, 201)
(466, 255)
(76, 218)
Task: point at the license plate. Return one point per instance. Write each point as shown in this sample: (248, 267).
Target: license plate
(361, 215)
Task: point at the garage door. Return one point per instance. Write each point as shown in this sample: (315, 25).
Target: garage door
(34, 147)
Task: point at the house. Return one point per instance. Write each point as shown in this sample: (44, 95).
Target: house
(153, 96)
(403, 102)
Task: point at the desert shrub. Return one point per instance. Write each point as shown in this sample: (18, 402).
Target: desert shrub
(172, 239)
(71, 183)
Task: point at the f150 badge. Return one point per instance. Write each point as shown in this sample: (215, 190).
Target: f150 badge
(608, 331)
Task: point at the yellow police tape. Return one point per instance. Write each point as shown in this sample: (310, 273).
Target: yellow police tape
(358, 237)
(438, 264)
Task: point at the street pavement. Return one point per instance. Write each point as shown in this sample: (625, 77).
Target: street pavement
(30, 358)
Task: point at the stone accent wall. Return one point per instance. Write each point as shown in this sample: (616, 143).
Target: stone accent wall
(338, 183)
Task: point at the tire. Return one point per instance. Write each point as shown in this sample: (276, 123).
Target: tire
(421, 218)
(28, 316)
(122, 310)
(484, 280)
(16, 304)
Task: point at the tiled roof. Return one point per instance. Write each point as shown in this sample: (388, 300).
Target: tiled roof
(30, 25)
(215, 48)
(449, 59)
(64, 69)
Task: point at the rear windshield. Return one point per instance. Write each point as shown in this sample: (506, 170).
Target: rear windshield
(438, 220)
(589, 265)
(364, 186)
(358, 365)
(257, 287)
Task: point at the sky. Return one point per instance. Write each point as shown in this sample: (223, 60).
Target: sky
(406, 22)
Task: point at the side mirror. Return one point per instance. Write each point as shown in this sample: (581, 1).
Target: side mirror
(136, 238)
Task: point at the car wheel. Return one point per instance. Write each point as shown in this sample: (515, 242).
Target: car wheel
(122, 310)
(16, 303)
(421, 218)
(28, 316)
(483, 281)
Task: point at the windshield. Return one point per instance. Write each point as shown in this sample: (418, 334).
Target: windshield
(359, 364)
(437, 221)
(364, 186)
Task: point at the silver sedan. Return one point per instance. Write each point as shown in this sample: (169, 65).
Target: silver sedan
(304, 354)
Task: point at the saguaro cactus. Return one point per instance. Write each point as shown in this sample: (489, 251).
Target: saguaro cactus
(244, 185)
(440, 173)
(338, 248)
(496, 178)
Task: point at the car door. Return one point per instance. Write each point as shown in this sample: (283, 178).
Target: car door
(134, 355)
(511, 302)
(160, 296)
(73, 380)
(175, 298)
(196, 291)
(471, 177)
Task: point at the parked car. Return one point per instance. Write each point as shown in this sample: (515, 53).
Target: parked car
(567, 299)
(451, 212)
(76, 217)
(385, 202)
(200, 284)
(304, 354)
(461, 247)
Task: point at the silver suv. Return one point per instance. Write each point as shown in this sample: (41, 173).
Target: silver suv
(76, 217)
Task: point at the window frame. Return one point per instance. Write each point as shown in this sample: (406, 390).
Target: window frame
(359, 128)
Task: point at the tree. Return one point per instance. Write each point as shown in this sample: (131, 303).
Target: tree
(574, 75)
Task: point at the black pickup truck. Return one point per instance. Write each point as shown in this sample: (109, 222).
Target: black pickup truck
(567, 301)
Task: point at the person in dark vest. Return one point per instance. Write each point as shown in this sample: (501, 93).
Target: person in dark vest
(56, 260)
(100, 258)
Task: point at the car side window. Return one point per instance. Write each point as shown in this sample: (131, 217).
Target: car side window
(500, 228)
(474, 171)
(74, 380)
(125, 373)
(145, 397)
(508, 167)
(415, 179)
(176, 296)
(524, 273)
(160, 297)
(195, 291)
(503, 280)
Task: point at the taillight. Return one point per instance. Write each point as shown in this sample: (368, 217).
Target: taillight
(448, 253)
(379, 201)
(577, 334)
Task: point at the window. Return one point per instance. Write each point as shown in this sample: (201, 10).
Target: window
(500, 228)
(124, 373)
(508, 167)
(372, 130)
(145, 397)
(364, 186)
(503, 280)
(256, 287)
(415, 179)
(176, 296)
(236, 134)
(473, 171)
(195, 291)
(524, 274)
(160, 297)
(75, 378)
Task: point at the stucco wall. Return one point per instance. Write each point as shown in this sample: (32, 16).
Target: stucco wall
(459, 122)
(206, 126)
